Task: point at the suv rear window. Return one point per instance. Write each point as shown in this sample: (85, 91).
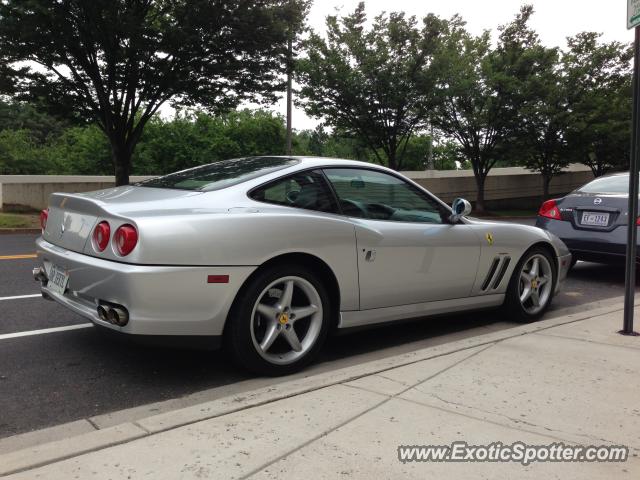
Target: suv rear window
(222, 174)
(615, 184)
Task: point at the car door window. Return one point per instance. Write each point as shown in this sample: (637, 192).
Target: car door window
(379, 196)
(302, 190)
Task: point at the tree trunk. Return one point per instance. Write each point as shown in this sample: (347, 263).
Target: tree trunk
(121, 158)
(392, 160)
(480, 208)
(546, 180)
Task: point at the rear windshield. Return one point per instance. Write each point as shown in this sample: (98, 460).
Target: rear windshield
(224, 173)
(616, 184)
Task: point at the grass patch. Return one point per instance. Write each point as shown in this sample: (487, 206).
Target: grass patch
(19, 220)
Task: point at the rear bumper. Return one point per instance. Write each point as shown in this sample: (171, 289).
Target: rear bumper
(590, 245)
(161, 300)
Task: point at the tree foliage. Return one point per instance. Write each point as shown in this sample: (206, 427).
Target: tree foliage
(482, 89)
(165, 146)
(118, 61)
(599, 102)
(372, 82)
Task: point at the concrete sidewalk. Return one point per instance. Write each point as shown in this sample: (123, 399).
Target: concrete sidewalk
(571, 380)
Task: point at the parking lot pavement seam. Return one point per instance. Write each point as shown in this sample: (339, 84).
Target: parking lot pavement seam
(595, 342)
(547, 431)
(314, 439)
(355, 417)
(149, 432)
(92, 423)
(430, 377)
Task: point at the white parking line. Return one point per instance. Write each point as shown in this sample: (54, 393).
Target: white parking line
(44, 331)
(16, 297)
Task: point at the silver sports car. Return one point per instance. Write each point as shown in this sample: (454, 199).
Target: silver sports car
(269, 254)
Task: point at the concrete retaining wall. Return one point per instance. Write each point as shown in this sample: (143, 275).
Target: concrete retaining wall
(33, 191)
(505, 188)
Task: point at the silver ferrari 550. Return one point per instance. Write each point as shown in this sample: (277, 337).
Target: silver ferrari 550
(269, 254)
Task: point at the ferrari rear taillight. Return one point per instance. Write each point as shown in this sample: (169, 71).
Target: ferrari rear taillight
(125, 239)
(101, 235)
(638, 221)
(44, 216)
(549, 209)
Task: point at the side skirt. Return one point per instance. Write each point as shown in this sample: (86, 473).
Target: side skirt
(359, 318)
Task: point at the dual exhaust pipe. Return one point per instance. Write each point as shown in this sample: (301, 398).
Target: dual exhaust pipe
(114, 314)
(110, 313)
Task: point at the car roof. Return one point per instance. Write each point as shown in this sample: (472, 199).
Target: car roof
(308, 161)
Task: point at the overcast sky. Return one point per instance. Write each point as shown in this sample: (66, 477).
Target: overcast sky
(554, 20)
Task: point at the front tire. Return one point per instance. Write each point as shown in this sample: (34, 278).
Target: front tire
(531, 286)
(280, 320)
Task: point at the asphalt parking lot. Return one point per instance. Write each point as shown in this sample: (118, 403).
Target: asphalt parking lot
(52, 373)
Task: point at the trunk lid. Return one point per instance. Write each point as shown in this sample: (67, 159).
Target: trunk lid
(72, 216)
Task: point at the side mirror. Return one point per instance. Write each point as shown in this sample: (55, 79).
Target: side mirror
(461, 208)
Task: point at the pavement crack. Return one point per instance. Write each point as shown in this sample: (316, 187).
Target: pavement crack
(92, 423)
(595, 342)
(548, 432)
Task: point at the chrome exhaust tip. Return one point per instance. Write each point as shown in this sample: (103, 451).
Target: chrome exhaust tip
(103, 313)
(118, 316)
(40, 275)
(113, 313)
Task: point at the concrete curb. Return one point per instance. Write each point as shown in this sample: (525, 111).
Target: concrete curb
(51, 452)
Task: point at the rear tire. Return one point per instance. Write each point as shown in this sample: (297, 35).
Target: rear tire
(531, 286)
(279, 321)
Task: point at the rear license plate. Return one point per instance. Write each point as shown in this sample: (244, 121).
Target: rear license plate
(58, 279)
(595, 218)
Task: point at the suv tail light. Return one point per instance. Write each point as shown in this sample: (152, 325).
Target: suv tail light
(101, 235)
(44, 216)
(549, 209)
(126, 238)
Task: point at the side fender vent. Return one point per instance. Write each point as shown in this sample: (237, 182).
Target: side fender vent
(492, 272)
(496, 272)
(501, 272)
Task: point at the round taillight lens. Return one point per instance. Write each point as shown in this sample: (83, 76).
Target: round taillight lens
(126, 238)
(44, 216)
(101, 235)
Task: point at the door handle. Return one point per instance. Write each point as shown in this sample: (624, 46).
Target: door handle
(370, 256)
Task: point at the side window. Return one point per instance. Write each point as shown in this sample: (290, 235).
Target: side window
(380, 196)
(302, 190)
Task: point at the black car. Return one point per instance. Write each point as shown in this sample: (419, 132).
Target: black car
(592, 220)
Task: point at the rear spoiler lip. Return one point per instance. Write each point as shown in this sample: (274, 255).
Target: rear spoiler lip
(77, 203)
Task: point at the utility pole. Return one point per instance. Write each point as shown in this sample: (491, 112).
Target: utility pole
(633, 21)
(289, 93)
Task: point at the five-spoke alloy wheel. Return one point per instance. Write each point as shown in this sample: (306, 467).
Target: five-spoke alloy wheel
(280, 320)
(531, 287)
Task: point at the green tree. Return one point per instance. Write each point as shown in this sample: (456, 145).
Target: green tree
(24, 116)
(481, 90)
(18, 153)
(599, 102)
(79, 151)
(193, 139)
(118, 61)
(539, 141)
(371, 82)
